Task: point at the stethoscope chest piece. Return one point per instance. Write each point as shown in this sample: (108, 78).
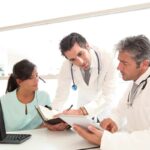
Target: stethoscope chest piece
(74, 87)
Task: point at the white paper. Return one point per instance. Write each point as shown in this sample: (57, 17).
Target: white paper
(83, 121)
(46, 113)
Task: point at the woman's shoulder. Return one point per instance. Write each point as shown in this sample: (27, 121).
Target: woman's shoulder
(42, 93)
(9, 95)
(43, 97)
(8, 98)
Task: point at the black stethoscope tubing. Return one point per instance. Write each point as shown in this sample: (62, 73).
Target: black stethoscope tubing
(143, 87)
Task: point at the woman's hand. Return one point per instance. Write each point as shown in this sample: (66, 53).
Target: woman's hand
(57, 127)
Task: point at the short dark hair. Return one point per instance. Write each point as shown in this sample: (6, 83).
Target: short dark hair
(68, 42)
(21, 70)
(138, 46)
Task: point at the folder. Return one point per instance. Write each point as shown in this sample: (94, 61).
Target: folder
(83, 121)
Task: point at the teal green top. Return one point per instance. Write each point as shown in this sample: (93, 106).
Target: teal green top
(14, 111)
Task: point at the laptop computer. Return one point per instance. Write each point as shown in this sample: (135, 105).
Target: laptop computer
(10, 138)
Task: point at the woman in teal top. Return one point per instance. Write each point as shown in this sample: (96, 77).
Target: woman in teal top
(22, 95)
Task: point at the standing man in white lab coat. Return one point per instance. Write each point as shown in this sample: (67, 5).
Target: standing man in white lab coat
(133, 113)
(96, 94)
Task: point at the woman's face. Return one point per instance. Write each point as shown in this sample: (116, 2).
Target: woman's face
(30, 84)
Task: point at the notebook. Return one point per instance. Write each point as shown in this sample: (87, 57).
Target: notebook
(10, 138)
(47, 115)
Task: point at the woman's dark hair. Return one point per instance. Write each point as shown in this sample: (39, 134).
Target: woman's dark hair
(21, 70)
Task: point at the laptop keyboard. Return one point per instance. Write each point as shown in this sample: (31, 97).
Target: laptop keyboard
(15, 138)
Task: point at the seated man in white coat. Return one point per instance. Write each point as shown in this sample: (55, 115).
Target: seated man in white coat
(96, 90)
(128, 127)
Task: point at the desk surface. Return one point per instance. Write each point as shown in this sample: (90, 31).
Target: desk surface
(43, 139)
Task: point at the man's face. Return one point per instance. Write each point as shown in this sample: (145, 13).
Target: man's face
(79, 56)
(128, 67)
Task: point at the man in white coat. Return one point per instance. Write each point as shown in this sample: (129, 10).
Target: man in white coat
(128, 127)
(96, 94)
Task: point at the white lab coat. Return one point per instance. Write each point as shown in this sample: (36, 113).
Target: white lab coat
(134, 121)
(98, 95)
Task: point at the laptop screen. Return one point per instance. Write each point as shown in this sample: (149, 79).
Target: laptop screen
(2, 124)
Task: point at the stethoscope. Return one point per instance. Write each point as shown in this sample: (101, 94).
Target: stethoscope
(74, 86)
(144, 82)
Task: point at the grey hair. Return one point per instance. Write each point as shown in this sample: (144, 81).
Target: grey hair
(138, 46)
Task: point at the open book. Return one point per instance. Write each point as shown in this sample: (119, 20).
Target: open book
(83, 121)
(48, 115)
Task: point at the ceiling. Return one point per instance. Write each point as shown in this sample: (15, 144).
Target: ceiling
(26, 13)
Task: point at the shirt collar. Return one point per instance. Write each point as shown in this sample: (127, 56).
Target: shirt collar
(143, 76)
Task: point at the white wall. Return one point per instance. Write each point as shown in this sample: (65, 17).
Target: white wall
(41, 44)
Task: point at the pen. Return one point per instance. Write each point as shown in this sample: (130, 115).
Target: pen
(42, 79)
(70, 107)
(50, 108)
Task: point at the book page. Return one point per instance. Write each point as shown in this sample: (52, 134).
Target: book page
(46, 113)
